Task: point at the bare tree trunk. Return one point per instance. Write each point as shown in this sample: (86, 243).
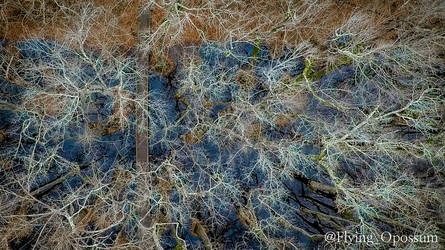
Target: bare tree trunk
(142, 93)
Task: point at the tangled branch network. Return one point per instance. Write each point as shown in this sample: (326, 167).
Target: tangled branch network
(264, 132)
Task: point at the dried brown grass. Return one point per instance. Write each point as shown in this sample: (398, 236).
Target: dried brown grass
(280, 23)
(114, 26)
(197, 21)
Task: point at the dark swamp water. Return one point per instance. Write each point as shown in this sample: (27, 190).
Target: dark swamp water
(214, 162)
